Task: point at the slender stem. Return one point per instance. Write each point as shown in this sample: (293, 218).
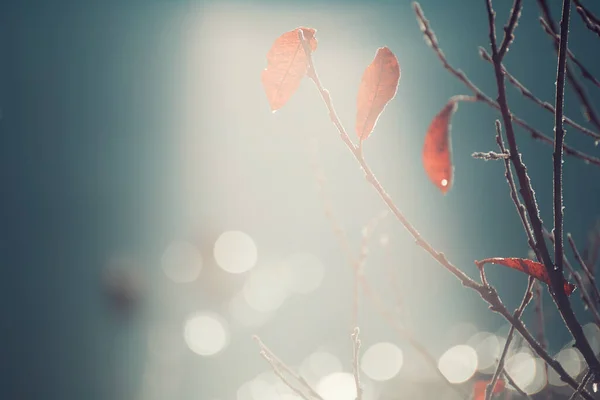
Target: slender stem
(355, 363)
(489, 390)
(559, 137)
(584, 382)
(280, 369)
(588, 272)
(589, 111)
(512, 383)
(584, 71)
(544, 104)
(510, 27)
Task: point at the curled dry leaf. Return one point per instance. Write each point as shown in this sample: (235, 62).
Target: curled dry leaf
(378, 86)
(530, 267)
(287, 64)
(437, 150)
(479, 388)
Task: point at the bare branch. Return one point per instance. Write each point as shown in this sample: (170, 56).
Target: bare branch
(584, 266)
(589, 111)
(584, 382)
(510, 28)
(584, 71)
(544, 104)
(355, 363)
(490, 155)
(281, 369)
(489, 390)
(589, 19)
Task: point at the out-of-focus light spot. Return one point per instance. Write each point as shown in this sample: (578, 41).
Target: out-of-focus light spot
(267, 287)
(307, 272)
(245, 315)
(592, 333)
(181, 262)
(337, 386)
(444, 182)
(539, 380)
(164, 343)
(572, 362)
(522, 368)
(382, 361)
(235, 252)
(487, 347)
(458, 363)
(205, 334)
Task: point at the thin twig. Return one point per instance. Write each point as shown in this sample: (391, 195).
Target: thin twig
(559, 137)
(584, 382)
(490, 155)
(489, 390)
(487, 293)
(587, 12)
(513, 192)
(280, 369)
(585, 297)
(588, 272)
(355, 363)
(515, 13)
(512, 383)
(589, 19)
(589, 111)
(527, 94)
(584, 71)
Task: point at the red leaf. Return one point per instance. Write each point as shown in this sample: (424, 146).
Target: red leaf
(530, 267)
(479, 388)
(437, 151)
(286, 66)
(378, 86)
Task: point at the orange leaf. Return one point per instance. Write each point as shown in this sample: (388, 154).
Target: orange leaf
(437, 151)
(378, 86)
(530, 267)
(479, 388)
(287, 64)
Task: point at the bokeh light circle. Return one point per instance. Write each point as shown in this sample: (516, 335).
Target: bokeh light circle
(235, 252)
(205, 334)
(522, 368)
(337, 386)
(382, 361)
(458, 363)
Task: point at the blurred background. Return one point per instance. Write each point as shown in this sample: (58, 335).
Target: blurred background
(156, 215)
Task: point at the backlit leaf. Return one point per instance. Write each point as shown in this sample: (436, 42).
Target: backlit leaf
(287, 64)
(378, 86)
(479, 388)
(437, 150)
(530, 267)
